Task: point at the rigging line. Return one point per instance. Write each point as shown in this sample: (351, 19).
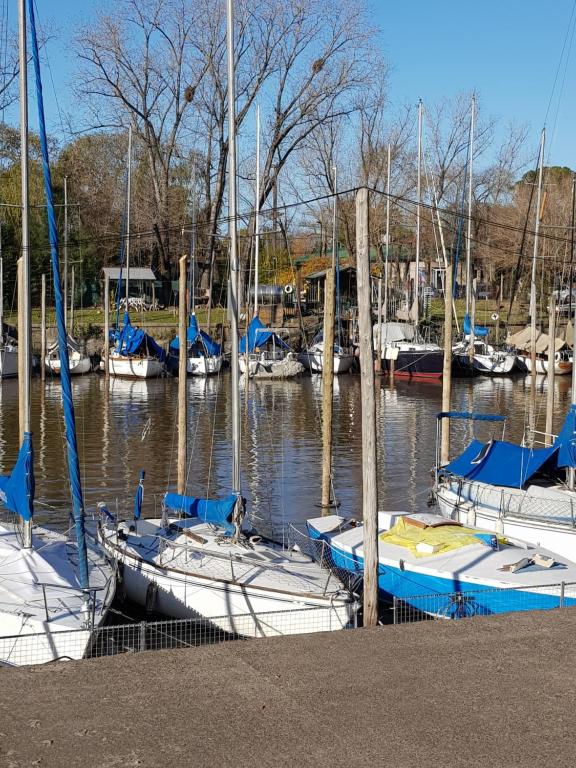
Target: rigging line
(570, 23)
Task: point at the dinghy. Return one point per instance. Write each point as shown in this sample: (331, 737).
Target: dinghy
(421, 555)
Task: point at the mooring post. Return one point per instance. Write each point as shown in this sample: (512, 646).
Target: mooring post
(107, 325)
(551, 371)
(182, 360)
(447, 368)
(43, 330)
(369, 482)
(327, 388)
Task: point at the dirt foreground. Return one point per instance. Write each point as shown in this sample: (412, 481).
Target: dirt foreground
(481, 692)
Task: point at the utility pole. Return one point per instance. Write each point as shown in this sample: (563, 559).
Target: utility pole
(369, 457)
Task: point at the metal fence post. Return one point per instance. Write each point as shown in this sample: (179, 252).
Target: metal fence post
(562, 587)
(142, 635)
(394, 611)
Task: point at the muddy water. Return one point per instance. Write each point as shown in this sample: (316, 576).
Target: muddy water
(125, 426)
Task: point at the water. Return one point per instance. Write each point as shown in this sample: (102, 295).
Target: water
(125, 426)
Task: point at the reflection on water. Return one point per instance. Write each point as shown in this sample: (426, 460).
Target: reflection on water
(124, 426)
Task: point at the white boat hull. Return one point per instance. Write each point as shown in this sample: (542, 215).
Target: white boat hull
(562, 367)
(540, 520)
(41, 624)
(314, 362)
(8, 362)
(78, 364)
(203, 366)
(237, 607)
(134, 367)
(260, 366)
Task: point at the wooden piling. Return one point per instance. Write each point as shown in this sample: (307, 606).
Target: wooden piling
(43, 330)
(551, 371)
(369, 473)
(378, 363)
(182, 360)
(107, 325)
(328, 388)
(447, 369)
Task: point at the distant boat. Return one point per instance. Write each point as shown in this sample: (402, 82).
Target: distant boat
(485, 358)
(79, 362)
(424, 555)
(313, 358)
(413, 357)
(263, 354)
(203, 354)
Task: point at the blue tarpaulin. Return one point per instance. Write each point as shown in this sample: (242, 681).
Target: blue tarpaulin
(131, 340)
(566, 440)
(479, 330)
(217, 512)
(258, 336)
(195, 335)
(17, 489)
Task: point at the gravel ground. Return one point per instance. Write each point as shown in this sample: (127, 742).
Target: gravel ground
(482, 692)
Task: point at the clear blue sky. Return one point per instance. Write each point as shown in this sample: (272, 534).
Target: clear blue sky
(507, 50)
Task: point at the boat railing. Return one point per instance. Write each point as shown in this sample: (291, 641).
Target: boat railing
(89, 596)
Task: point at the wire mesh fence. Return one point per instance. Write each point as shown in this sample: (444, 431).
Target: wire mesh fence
(24, 649)
(482, 602)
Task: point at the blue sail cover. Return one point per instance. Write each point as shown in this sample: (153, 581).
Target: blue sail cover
(131, 340)
(479, 330)
(566, 440)
(17, 489)
(194, 335)
(258, 336)
(139, 496)
(209, 510)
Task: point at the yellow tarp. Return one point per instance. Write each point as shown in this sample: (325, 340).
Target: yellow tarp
(445, 537)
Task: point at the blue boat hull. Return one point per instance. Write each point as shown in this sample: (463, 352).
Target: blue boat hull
(410, 587)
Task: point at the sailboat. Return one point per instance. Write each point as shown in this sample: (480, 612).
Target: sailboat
(200, 559)
(402, 342)
(134, 354)
(51, 582)
(263, 353)
(313, 357)
(427, 561)
(484, 359)
(8, 348)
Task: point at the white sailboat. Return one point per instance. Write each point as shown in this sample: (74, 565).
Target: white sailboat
(79, 363)
(51, 582)
(199, 559)
(135, 354)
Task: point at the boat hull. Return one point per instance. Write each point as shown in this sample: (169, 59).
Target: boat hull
(487, 365)
(78, 365)
(562, 367)
(260, 367)
(134, 367)
(8, 362)
(314, 362)
(417, 364)
(236, 608)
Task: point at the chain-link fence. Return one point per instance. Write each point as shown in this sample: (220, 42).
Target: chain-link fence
(482, 602)
(110, 640)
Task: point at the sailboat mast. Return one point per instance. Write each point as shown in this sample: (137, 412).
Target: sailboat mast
(24, 293)
(534, 258)
(469, 229)
(387, 252)
(419, 201)
(1, 289)
(232, 231)
(257, 213)
(192, 266)
(128, 198)
(66, 251)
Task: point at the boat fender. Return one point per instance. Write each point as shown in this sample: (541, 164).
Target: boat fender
(151, 597)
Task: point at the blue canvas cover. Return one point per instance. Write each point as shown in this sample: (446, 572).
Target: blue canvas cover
(566, 440)
(131, 340)
(17, 489)
(217, 512)
(258, 336)
(479, 330)
(500, 463)
(139, 496)
(194, 335)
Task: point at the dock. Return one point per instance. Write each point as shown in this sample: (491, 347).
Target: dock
(496, 691)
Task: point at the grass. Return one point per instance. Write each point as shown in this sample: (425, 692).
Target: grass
(83, 318)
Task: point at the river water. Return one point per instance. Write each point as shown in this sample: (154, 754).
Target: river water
(125, 426)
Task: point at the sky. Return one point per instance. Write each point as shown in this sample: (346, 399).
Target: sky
(508, 51)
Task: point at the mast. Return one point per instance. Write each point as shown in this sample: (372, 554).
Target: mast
(387, 252)
(65, 377)
(533, 277)
(66, 251)
(469, 232)
(192, 265)
(416, 304)
(257, 213)
(24, 340)
(232, 231)
(128, 197)
(1, 289)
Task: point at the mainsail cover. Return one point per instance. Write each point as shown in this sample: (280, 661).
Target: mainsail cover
(17, 489)
(259, 335)
(479, 330)
(130, 340)
(217, 512)
(194, 335)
